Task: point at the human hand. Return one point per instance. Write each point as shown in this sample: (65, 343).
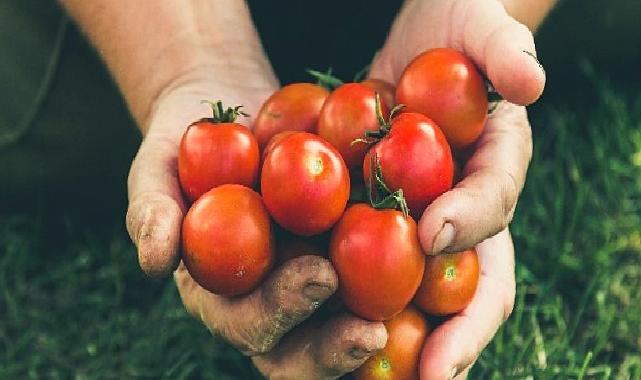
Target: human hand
(255, 323)
(483, 203)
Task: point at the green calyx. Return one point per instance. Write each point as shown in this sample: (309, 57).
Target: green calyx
(372, 137)
(222, 115)
(326, 79)
(380, 196)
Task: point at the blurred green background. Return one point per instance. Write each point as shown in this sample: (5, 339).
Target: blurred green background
(73, 303)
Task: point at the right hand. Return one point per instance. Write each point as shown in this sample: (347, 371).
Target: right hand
(255, 323)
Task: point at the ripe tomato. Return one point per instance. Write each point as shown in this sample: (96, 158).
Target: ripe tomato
(347, 114)
(444, 85)
(216, 151)
(449, 282)
(385, 89)
(414, 156)
(274, 141)
(378, 260)
(294, 107)
(305, 184)
(227, 240)
(400, 358)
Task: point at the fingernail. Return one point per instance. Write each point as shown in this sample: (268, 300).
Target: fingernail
(359, 353)
(444, 238)
(535, 58)
(316, 292)
(453, 373)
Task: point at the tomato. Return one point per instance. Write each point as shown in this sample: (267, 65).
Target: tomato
(385, 89)
(227, 240)
(444, 85)
(414, 156)
(378, 260)
(294, 107)
(274, 141)
(305, 184)
(449, 282)
(216, 151)
(347, 114)
(400, 358)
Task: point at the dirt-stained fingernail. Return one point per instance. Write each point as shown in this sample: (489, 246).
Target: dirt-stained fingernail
(444, 238)
(359, 353)
(533, 56)
(317, 292)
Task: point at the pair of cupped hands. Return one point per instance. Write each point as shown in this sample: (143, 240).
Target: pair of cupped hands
(268, 324)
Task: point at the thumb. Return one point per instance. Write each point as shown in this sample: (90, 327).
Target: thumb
(502, 47)
(155, 208)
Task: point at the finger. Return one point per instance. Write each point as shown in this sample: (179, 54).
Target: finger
(483, 203)
(256, 322)
(501, 46)
(326, 351)
(155, 208)
(455, 345)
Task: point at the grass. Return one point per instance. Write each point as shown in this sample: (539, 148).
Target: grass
(73, 303)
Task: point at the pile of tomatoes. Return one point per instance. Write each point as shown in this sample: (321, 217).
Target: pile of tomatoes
(344, 174)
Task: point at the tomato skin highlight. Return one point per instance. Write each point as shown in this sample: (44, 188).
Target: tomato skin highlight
(212, 154)
(400, 359)
(294, 107)
(347, 114)
(378, 259)
(305, 184)
(415, 157)
(446, 86)
(227, 240)
(449, 283)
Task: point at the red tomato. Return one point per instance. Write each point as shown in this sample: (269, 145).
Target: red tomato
(215, 152)
(378, 260)
(294, 107)
(274, 141)
(400, 358)
(227, 240)
(305, 184)
(445, 86)
(414, 156)
(449, 282)
(385, 89)
(347, 114)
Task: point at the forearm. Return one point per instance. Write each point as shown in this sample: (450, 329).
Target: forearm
(529, 12)
(150, 45)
